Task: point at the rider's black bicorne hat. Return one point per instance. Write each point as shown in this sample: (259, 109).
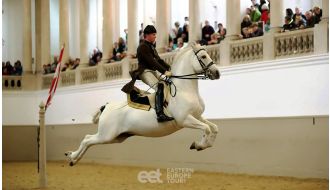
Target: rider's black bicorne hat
(150, 29)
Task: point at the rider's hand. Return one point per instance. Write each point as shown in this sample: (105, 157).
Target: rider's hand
(168, 73)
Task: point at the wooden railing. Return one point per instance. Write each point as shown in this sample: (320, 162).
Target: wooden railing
(287, 44)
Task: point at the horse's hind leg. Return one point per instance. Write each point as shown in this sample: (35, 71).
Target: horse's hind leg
(88, 141)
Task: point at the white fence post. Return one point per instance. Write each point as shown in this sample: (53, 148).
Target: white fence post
(42, 148)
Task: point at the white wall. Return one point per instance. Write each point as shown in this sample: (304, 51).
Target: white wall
(12, 27)
(281, 88)
(54, 28)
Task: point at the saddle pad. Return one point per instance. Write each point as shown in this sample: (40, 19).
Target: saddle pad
(135, 100)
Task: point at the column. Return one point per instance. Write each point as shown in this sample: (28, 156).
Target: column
(116, 19)
(42, 34)
(233, 27)
(195, 29)
(83, 22)
(64, 29)
(107, 29)
(163, 25)
(233, 18)
(27, 37)
(277, 14)
(133, 32)
(321, 31)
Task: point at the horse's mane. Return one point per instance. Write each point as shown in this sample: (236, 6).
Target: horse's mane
(183, 51)
(180, 53)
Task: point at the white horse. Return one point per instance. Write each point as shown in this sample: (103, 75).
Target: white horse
(117, 124)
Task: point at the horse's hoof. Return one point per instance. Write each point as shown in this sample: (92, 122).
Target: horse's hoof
(199, 149)
(192, 146)
(71, 163)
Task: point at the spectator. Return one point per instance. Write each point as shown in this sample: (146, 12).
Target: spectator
(264, 13)
(176, 32)
(255, 14)
(141, 32)
(317, 13)
(207, 31)
(289, 12)
(8, 68)
(262, 2)
(170, 46)
(245, 23)
(214, 39)
(75, 64)
(254, 3)
(256, 30)
(222, 35)
(3, 67)
(119, 50)
(65, 67)
(300, 22)
(246, 33)
(96, 57)
(298, 13)
(185, 30)
(289, 24)
(310, 19)
(18, 69)
(53, 65)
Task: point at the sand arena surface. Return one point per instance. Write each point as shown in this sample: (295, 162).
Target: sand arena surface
(23, 175)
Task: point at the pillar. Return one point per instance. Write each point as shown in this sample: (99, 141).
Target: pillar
(83, 22)
(195, 30)
(277, 14)
(133, 32)
(107, 29)
(321, 31)
(27, 37)
(64, 29)
(233, 18)
(163, 25)
(42, 33)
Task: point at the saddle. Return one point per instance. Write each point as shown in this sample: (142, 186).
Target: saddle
(140, 99)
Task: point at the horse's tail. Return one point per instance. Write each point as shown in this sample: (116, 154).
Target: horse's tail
(97, 115)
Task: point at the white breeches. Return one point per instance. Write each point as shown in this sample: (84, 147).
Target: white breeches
(151, 78)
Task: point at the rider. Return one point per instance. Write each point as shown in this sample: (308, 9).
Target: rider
(149, 64)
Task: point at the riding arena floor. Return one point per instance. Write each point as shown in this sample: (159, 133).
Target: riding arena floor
(91, 176)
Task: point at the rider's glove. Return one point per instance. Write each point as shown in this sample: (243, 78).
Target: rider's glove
(168, 73)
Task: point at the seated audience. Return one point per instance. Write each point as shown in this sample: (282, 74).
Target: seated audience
(289, 24)
(119, 50)
(245, 23)
(207, 31)
(96, 57)
(54, 65)
(310, 19)
(264, 13)
(255, 14)
(317, 13)
(300, 22)
(75, 64)
(18, 69)
(256, 30)
(298, 13)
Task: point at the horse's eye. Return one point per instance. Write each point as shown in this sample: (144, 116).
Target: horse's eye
(204, 57)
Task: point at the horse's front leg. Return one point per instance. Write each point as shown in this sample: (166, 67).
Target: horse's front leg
(213, 127)
(192, 122)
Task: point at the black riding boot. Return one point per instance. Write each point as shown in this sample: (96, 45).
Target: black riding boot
(161, 117)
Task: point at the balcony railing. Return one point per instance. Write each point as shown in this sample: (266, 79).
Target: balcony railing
(11, 82)
(287, 44)
(294, 43)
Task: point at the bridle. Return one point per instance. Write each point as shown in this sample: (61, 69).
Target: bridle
(201, 75)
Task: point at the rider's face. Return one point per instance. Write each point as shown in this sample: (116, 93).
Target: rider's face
(151, 37)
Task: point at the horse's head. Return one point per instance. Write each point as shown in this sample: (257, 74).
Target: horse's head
(204, 63)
